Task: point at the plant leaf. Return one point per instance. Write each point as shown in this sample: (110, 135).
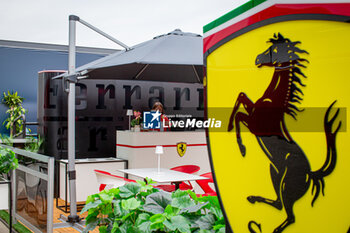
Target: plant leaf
(145, 227)
(124, 227)
(170, 211)
(103, 229)
(149, 181)
(91, 205)
(169, 225)
(219, 226)
(193, 209)
(106, 197)
(118, 212)
(157, 202)
(180, 223)
(157, 222)
(204, 231)
(130, 204)
(129, 190)
(143, 217)
(91, 226)
(206, 221)
(213, 206)
(181, 199)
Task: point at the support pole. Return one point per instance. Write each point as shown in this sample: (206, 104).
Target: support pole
(73, 217)
(71, 78)
(103, 34)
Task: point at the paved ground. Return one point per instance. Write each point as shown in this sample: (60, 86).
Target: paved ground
(3, 228)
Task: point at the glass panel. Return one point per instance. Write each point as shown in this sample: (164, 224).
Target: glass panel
(31, 195)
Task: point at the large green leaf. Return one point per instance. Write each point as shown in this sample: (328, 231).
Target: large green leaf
(181, 199)
(178, 222)
(193, 209)
(169, 225)
(124, 227)
(219, 227)
(143, 217)
(91, 226)
(206, 222)
(115, 227)
(192, 194)
(145, 227)
(157, 202)
(118, 212)
(204, 231)
(130, 204)
(149, 181)
(91, 205)
(106, 197)
(144, 186)
(170, 211)
(129, 190)
(214, 205)
(92, 216)
(106, 209)
(103, 229)
(157, 222)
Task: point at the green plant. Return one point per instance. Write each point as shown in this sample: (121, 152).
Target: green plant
(8, 160)
(6, 140)
(138, 207)
(137, 119)
(14, 102)
(33, 144)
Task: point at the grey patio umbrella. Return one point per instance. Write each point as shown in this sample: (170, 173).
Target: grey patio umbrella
(173, 57)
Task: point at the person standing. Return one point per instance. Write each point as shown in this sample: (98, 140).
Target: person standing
(158, 106)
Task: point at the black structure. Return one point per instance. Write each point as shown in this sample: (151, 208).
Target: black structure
(101, 110)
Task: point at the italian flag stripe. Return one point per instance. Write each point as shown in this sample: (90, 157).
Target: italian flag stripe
(245, 16)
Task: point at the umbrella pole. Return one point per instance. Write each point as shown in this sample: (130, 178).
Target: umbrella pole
(73, 217)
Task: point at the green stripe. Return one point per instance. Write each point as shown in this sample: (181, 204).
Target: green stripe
(232, 14)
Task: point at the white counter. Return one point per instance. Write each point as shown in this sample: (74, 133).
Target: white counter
(86, 182)
(139, 149)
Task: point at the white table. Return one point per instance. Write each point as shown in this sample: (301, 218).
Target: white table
(164, 176)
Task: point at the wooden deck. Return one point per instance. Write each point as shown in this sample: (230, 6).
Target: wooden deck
(57, 213)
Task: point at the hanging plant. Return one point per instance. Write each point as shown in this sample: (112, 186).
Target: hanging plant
(14, 102)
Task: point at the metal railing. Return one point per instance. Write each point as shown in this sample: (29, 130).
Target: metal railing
(33, 185)
(23, 133)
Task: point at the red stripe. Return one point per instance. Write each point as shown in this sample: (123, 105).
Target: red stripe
(274, 11)
(153, 146)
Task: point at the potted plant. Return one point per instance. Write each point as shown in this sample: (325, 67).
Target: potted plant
(8, 162)
(14, 102)
(139, 207)
(136, 121)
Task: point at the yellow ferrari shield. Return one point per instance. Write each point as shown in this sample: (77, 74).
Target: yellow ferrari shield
(181, 148)
(281, 90)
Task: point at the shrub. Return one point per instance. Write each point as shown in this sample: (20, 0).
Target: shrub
(139, 207)
(8, 160)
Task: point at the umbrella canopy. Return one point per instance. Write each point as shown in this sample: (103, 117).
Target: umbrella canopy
(173, 57)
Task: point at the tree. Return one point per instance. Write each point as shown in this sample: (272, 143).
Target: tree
(14, 102)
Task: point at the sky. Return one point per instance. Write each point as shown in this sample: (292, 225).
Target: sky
(130, 21)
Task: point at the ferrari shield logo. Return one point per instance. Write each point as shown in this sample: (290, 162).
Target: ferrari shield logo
(279, 90)
(181, 148)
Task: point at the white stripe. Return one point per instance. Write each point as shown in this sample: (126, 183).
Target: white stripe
(262, 7)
